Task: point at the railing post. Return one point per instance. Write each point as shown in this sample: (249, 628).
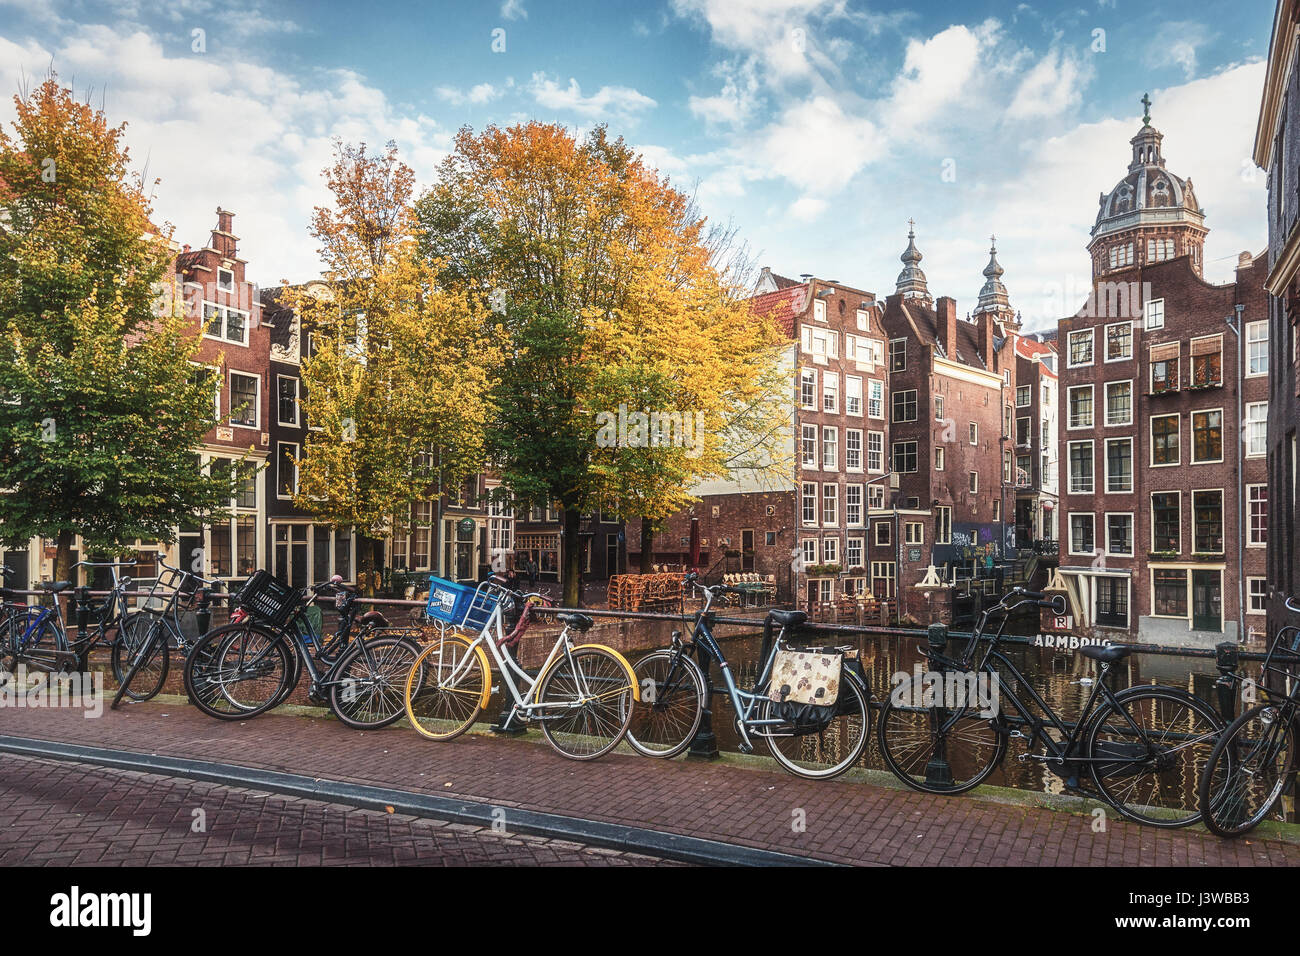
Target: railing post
(704, 745)
(82, 595)
(203, 613)
(938, 772)
(1226, 660)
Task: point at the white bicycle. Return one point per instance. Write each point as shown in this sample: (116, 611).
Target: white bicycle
(582, 696)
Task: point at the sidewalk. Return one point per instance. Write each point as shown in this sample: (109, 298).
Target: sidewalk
(840, 821)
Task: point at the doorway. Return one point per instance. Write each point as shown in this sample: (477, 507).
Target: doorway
(1207, 601)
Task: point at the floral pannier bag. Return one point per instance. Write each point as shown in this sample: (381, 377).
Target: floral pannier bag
(804, 687)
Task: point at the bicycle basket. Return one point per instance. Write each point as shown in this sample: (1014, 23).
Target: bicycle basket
(454, 603)
(269, 599)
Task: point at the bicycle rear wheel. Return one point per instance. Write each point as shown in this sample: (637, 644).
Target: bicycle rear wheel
(671, 706)
(834, 748)
(237, 671)
(587, 698)
(447, 687)
(369, 692)
(938, 749)
(1153, 780)
(1248, 771)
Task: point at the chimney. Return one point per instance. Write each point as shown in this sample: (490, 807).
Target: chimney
(946, 321)
(986, 329)
(223, 239)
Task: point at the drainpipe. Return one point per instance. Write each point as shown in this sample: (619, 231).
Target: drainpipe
(1234, 323)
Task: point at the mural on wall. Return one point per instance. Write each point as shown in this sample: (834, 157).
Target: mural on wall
(984, 544)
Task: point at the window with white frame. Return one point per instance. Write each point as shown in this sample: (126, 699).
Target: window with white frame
(938, 458)
(905, 405)
(943, 525)
(1082, 531)
(1119, 403)
(808, 388)
(876, 399)
(1257, 515)
(287, 399)
(830, 504)
(904, 457)
(875, 497)
(1164, 440)
(1158, 250)
(938, 408)
(1081, 467)
(1119, 464)
(809, 552)
(819, 310)
(223, 322)
(1154, 314)
(973, 482)
(830, 392)
(853, 395)
(809, 503)
(1207, 522)
(853, 553)
(875, 451)
(1079, 400)
(1121, 255)
(1119, 341)
(1256, 595)
(973, 433)
(286, 470)
(808, 445)
(1255, 434)
(1207, 436)
(245, 399)
(1119, 534)
(830, 448)
(820, 343)
(853, 449)
(883, 533)
(853, 506)
(1256, 348)
(1024, 395)
(913, 532)
(225, 280)
(898, 355)
(1080, 346)
(830, 550)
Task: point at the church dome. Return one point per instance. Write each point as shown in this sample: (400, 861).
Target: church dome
(1148, 192)
(911, 281)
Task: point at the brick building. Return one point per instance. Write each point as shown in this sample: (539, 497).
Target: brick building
(951, 384)
(1161, 371)
(1277, 150)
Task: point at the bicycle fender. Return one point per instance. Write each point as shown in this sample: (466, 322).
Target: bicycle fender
(631, 674)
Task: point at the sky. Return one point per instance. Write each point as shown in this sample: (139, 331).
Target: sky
(817, 127)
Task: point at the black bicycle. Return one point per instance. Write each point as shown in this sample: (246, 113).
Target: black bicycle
(254, 663)
(1144, 746)
(809, 740)
(141, 656)
(1255, 760)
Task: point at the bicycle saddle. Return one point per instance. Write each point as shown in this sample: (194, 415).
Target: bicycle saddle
(788, 618)
(1106, 654)
(55, 587)
(374, 617)
(579, 622)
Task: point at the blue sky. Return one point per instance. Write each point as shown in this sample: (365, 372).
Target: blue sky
(819, 127)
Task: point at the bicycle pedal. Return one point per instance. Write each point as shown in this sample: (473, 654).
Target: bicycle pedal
(745, 748)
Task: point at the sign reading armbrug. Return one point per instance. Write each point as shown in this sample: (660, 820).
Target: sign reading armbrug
(75, 909)
(1070, 641)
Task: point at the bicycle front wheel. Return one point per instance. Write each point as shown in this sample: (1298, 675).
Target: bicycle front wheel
(366, 689)
(832, 749)
(1248, 770)
(140, 658)
(671, 707)
(586, 701)
(237, 671)
(938, 749)
(1161, 741)
(447, 687)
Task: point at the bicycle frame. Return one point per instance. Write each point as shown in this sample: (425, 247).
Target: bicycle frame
(492, 638)
(744, 703)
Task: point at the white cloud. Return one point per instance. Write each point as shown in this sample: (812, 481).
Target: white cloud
(817, 146)
(808, 208)
(514, 10)
(477, 95)
(230, 131)
(936, 73)
(1176, 44)
(1051, 87)
(737, 100)
(608, 101)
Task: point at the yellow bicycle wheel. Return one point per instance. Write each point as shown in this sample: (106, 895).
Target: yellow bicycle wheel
(448, 687)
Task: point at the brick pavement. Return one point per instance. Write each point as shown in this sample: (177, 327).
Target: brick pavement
(55, 813)
(844, 821)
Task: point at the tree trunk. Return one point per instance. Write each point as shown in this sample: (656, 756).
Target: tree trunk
(572, 548)
(63, 556)
(647, 545)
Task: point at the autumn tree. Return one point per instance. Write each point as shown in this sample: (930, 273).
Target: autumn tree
(400, 366)
(101, 404)
(609, 296)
